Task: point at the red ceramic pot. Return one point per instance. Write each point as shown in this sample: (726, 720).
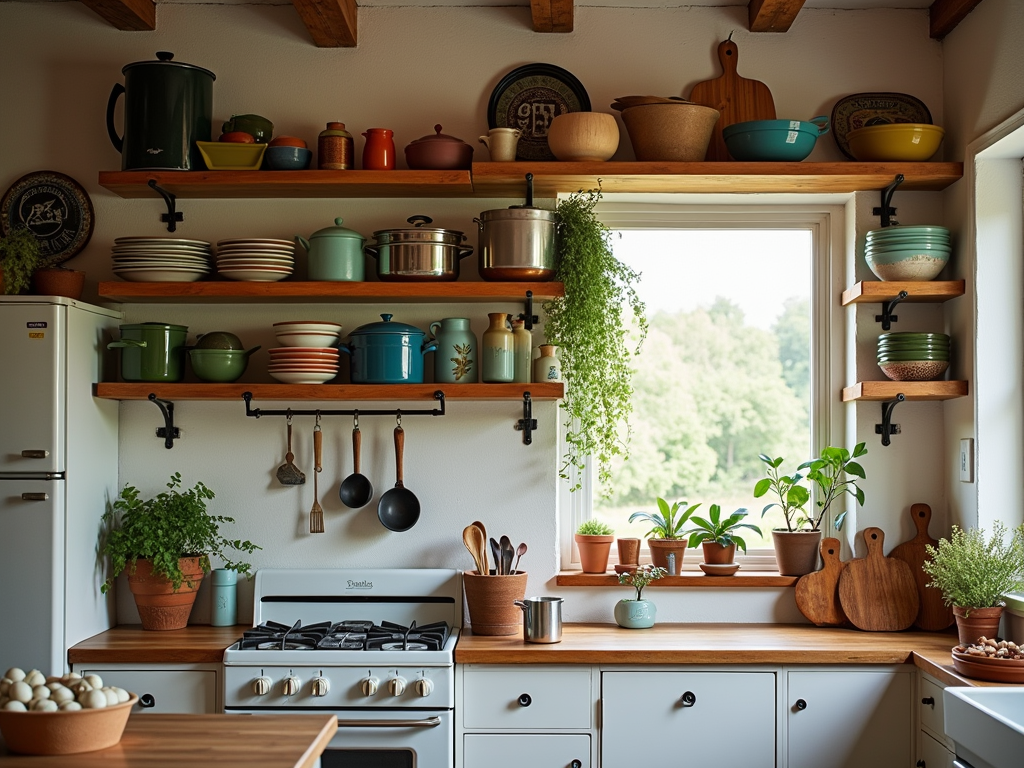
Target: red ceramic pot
(439, 152)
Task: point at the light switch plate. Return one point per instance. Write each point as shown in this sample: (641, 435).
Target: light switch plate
(967, 460)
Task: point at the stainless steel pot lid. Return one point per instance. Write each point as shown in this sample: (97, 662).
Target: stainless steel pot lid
(387, 326)
(518, 214)
(419, 233)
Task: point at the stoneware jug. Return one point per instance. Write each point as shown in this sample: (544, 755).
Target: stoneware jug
(379, 150)
(546, 367)
(502, 143)
(455, 361)
(498, 350)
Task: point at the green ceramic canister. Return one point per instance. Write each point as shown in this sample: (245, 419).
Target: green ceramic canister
(152, 351)
(455, 361)
(335, 254)
(168, 107)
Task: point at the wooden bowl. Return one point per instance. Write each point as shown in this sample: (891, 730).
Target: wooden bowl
(65, 733)
(583, 136)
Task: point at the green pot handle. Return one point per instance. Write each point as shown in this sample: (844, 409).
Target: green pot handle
(123, 343)
(822, 122)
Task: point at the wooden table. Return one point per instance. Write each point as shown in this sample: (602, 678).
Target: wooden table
(225, 741)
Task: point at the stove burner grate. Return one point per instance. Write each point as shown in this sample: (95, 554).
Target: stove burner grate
(346, 636)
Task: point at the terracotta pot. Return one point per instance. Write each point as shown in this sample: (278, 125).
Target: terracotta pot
(660, 549)
(161, 607)
(491, 601)
(594, 551)
(629, 551)
(718, 554)
(69, 283)
(972, 623)
(796, 551)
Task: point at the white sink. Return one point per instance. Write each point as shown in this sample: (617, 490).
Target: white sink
(986, 724)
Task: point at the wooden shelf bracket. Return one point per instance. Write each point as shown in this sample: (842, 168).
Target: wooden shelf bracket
(887, 317)
(355, 413)
(887, 428)
(172, 217)
(886, 211)
(527, 424)
(168, 432)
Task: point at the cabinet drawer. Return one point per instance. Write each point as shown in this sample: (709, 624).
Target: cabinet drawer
(533, 750)
(930, 708)
(191, 692)
(527, 698)
(931, 753)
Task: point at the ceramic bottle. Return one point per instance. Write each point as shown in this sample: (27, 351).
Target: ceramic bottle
(455, 361)
(547, 367)
(223, 609)
(335, 149)
(522, 344)
(498, 350)
(379, 150)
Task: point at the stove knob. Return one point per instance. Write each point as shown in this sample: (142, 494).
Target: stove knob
(321, 685)
(261, 686)
(424, 687)
(397, 686)
(291, 685)
(370, 686)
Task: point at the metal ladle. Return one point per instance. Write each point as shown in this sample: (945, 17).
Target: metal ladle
(356, 490)
(288, 473)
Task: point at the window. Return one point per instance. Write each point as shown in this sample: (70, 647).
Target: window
(736, 362)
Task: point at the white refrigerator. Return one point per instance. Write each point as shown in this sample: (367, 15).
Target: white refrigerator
(58, 473)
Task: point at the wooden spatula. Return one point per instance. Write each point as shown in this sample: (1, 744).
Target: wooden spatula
(737, 98)
(933, 614)
(878, 593)
(817, 594)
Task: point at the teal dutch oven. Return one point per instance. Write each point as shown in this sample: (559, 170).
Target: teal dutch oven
(387, 353)
(152, 351)
(335, 253)
(777, 141)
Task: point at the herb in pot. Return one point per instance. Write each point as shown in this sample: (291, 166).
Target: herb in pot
(19, 258)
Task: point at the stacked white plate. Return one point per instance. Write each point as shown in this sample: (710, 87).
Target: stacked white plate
(256, 259)
(303, 365)
(161, 259)
(307, 333)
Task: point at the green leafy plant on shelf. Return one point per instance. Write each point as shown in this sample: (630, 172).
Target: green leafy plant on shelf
(588, 324)
(719, 530)
(974, 573)
(595, 528)
(19, 259)
(668, 521)
(641, 577)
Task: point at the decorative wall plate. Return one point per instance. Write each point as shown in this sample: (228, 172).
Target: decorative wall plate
(529, 98)
(861, 109)
(55, 208)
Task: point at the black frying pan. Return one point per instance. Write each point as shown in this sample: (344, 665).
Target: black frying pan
(398, 509)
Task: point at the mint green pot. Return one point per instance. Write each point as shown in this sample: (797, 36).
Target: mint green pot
(635, 614)
(335, 254)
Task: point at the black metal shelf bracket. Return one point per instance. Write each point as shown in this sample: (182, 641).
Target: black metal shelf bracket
(527, 424)
(168, 432)
(530, 318)
(394, 412)
(887, 428)
(886, 211)
(887, 317)
(172, 217)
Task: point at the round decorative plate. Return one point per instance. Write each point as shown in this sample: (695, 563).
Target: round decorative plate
(861, 109)
(529, 98)
(55, 208)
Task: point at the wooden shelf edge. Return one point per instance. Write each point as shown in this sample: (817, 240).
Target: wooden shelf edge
(328, 392)
(697, 579)
(874, 292)
(911, 390)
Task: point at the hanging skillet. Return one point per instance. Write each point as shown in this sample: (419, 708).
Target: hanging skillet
(398, 509)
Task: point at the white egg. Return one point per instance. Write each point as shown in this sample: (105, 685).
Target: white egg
(40, 692)
(14, 674)
(4, 685)
(93, 699)
(44, 705)
(80, 686)
(62, 694)
(20, 691)
(94, 680)
(73, 676)
(122, 695)
(111, 695)
(15, 706)
(70, 706)
(35, 677)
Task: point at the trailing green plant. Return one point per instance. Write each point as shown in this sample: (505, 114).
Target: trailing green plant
(641, 577)
(787, 489)
(832, 472)
(668, 521)
(974, 573)
(595, 528)
(720, 530)
(19, 258)
(171, 525)
(589, 327)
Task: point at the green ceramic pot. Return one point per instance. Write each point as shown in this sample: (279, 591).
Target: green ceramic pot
(152, 351)
(635, 614)
(221, 366)
(335, 254)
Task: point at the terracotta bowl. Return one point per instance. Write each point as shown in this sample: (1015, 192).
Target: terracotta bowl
(65, 733)
(583, 136)
(671, 132)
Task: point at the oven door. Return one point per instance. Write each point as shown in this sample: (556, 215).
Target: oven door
(384, 738)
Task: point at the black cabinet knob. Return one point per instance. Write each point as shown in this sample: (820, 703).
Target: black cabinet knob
(688, 699)
(920, 764)
(575, 764)
(146, 701)
(800, 704)
(525, 700)
(928, 701)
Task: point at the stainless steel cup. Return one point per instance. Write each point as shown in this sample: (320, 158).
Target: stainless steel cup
(542, 619)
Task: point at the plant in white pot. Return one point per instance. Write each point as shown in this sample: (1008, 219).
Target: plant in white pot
(637, 613)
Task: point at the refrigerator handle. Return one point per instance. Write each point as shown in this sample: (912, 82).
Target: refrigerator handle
(30, 454)
(35, 496)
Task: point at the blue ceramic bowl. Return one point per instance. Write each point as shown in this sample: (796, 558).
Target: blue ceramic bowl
(287, 158)
(774, 140)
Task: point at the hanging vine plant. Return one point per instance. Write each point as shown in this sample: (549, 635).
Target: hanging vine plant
(588, 324)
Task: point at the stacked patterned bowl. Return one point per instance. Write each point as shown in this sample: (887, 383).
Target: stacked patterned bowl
(308, 353)
(914, 253)
(913, 356)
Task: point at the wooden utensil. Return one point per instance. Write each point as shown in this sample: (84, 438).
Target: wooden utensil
(817, 594)
(878, 593)
(483, 546)
(316, 514)
(737, 98)
(933, 615)
(288, 473)
(474, 542)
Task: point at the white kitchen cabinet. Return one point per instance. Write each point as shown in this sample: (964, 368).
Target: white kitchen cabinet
(527, 750)
(931, 753)
(934, 747)
(678, 717)
(848, 717)
(192, 689)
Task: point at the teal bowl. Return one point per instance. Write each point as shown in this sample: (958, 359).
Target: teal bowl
(912, 265)
(287, 158)
(777, 141)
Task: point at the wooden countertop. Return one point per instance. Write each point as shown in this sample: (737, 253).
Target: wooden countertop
(130, 643)
(227, 741)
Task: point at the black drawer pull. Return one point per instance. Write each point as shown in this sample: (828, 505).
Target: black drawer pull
(928, 701)
(688, 699)
(575, 764)
(146, 701)
(801, 704)
(920, 764)
(525, 700)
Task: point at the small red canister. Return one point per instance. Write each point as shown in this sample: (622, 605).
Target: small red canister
(335, 149)
(379, 150)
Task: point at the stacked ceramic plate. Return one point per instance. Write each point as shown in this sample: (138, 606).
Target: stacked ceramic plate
(307, 333)
(913, 253)
(913, 356)
(161, 259)
(303, 365)
(256, 259)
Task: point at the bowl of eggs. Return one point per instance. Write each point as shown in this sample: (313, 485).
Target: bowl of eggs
(63, 715)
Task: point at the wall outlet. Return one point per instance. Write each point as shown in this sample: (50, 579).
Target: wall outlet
(967, 460)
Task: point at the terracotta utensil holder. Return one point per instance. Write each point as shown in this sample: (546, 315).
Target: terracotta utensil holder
(491, 601)
(629, 551)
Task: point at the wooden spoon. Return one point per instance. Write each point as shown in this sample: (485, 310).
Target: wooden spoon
(483, 549)
(474, 542)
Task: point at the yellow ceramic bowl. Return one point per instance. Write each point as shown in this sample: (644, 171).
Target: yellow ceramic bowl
(231, 156)
(895, 142)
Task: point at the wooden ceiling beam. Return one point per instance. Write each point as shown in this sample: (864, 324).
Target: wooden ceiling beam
(126, 15)
(773, 15)
(331, 23)
(552, 15)
(944, 15)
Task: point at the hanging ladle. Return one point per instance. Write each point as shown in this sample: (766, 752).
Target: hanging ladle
(288, 473)
(356, 489)
(398, 509)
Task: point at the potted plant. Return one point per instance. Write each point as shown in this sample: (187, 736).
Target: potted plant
(637, 613)
(19, 258)
(718, 536)
(165, 543)
(588, 327)
(973, 575)
(666, 535)
(58, 280)
(594, 540)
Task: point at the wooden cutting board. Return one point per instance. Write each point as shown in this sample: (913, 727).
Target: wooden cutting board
(878, 593)
(933, 615)
(736, 98)
(817, 594)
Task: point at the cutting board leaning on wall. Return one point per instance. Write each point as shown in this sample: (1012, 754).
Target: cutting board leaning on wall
(878, 593)
(934, 614)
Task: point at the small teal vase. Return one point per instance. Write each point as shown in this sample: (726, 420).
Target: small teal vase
(635, 614)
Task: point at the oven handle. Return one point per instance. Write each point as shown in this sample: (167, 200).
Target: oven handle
(430, 722)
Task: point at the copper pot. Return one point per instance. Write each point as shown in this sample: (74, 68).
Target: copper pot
(439, 152)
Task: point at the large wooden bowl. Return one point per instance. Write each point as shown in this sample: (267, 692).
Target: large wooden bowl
(583, 136)
(670, 132)
(65, 733)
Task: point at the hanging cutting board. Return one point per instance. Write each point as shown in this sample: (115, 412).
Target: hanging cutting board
(878, 593)
(933, 615)
(817, 594)
(736, 98)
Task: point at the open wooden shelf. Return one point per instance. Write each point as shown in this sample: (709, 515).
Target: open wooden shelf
(688, 579)
(223, 292)
(911, 390)
(876, 292)
(349, 392)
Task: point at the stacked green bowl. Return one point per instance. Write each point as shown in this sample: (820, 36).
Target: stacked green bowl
(913, 356)
(914, 253)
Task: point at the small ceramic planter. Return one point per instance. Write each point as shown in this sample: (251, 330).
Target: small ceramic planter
(635, 614)
(972, 623)
(594, 551)
(718, 554)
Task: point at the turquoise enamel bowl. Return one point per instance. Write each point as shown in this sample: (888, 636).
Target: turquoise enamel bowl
(773, 140)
